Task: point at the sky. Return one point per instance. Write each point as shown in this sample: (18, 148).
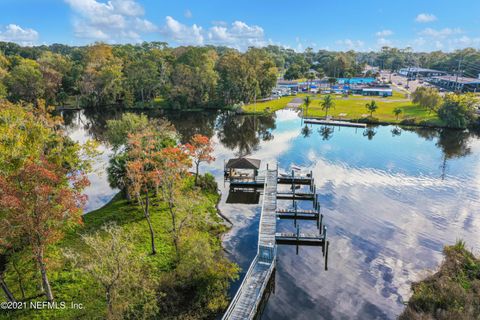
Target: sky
(425, 25)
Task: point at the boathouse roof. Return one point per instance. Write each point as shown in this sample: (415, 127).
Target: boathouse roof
(243, 163)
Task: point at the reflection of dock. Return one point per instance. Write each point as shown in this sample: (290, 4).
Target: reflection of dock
(254, 288)
(335, 123)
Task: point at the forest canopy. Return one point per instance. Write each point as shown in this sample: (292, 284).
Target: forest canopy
(152, 74)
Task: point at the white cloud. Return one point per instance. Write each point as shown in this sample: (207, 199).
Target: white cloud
(350, 44)
(383, 42)
(115, 20)
(183, 34)
(419, 42)
(237, 35)
(188, 14)
(17, 34)
(425, 18)
(466, 41)
(441, 33)
(447, 41)
(384, 33)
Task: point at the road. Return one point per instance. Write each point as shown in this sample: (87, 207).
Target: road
(400, 82)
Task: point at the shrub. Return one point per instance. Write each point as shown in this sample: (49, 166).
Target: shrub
(451, 293)
(207, 183)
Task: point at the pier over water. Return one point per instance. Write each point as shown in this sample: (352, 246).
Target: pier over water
(247, 300)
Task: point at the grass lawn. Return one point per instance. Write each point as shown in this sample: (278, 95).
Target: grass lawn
(354, 108)
(70, 285)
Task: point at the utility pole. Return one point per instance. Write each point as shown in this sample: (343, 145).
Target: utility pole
(458, 71)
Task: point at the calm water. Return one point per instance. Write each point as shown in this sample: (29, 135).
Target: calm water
(391, 199)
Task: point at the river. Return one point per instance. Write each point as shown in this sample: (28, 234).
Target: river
(392, 198)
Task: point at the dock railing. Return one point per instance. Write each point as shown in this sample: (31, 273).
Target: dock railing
(264, 284)
(231, 307)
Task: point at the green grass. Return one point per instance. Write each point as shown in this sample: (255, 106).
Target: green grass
(71, 286)
(355, 110)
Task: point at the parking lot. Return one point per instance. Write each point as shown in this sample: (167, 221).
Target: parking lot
(401, 83)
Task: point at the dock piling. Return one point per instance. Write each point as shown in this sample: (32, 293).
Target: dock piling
(326, 256)
(295, 208)
(298, 237)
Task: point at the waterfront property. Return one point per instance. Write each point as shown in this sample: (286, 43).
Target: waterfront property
(363, 185)
(353, 108)
(247, 301)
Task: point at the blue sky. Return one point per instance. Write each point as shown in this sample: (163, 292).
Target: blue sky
(361, 25)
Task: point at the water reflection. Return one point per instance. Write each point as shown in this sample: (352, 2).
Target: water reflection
(243, 134)
(387, 208)
(396, 131)
(326, 132)
(243, 196)
(189, 125)
(306, 131)
(369, 133)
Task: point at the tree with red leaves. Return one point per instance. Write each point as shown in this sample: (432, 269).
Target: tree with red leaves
(142, 148)
(171, 166)
(39, 201)
(200, 149)
(154, 165)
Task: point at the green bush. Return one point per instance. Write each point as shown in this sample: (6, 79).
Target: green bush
(451, 293)
(207, 183)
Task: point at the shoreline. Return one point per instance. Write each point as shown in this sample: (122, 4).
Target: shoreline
(404, 122)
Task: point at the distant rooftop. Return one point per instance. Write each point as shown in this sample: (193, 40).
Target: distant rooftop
(462, 80)
(378, 89)
(415, 69)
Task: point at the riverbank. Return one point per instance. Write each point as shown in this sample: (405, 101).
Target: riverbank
(352, 108)
(192, 286)
(451, 293)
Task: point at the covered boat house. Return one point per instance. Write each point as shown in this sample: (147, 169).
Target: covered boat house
(243, 171)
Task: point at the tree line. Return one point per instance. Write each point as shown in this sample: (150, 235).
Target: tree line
(324, 63)
(135, 75)
(154, 74)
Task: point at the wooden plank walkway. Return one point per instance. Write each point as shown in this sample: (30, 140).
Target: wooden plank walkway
(247, 300)
(296, 196)
(336, 123)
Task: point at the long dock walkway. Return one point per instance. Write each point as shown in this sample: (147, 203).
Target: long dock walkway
(336, 123)
(246, 302)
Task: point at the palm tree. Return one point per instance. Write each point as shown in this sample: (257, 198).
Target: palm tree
(327, 103)
(306, 101)
(372, 107)
(397, 112)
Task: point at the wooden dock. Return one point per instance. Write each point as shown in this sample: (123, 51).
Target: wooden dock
(247, 301)
(336, 123)
(259, 181)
